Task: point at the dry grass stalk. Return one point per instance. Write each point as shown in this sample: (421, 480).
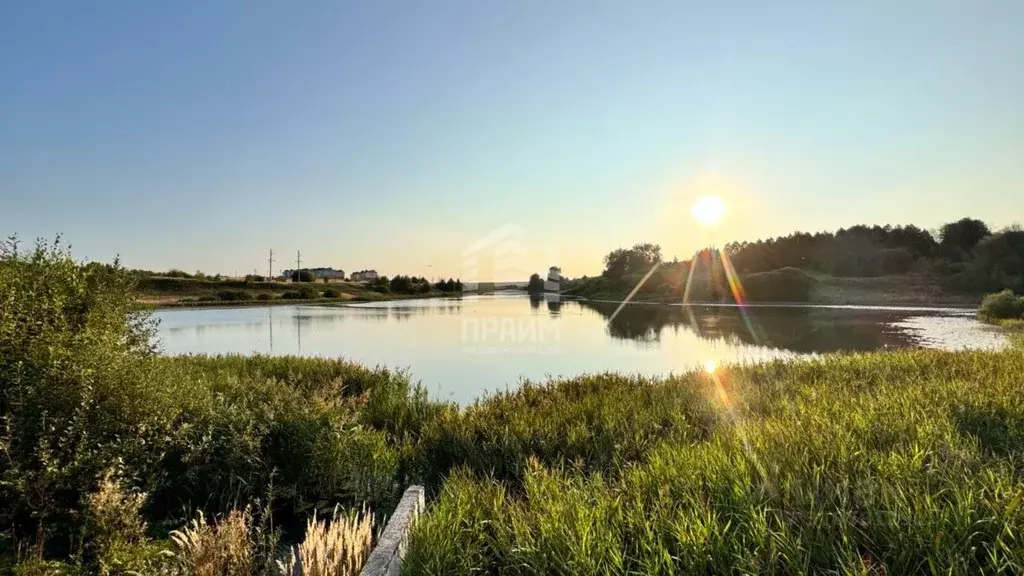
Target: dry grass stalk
(218, 549)
(336, 548)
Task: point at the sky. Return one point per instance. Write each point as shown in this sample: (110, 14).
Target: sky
(403, 136)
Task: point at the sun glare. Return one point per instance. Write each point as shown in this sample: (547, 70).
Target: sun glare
(709, 366)
(708, 210)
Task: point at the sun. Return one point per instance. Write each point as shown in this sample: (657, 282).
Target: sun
(710, 366)
(708, 210)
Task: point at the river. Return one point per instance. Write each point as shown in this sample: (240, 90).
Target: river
(461, 348)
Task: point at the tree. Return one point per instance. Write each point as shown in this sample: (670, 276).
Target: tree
(401, 283)
(381, 284)
(458, 285)
(535, 285)
(302, 276)
(960, 237)
(998, 262)
(627, 262)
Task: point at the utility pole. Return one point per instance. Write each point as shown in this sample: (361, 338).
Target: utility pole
(270, 266)
(298, 265)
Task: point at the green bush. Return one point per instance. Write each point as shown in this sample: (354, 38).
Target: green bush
(234, 295)
(1003, 305)
(207, 298)
(263, 296)
(81, 388)
(332, 293)
(304, 293)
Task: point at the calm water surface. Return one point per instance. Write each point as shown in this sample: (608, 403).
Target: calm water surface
(460, 348)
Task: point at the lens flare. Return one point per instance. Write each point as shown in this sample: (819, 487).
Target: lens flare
(738, 294)
(708, 210)
(709, 365)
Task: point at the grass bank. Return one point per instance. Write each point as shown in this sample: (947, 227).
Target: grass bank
(886, 463)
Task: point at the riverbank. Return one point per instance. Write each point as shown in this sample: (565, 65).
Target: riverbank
(920, 290)
(156, 293)
(155, 303)
(883, 462)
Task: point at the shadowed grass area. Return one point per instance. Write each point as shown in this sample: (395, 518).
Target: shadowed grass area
(894, 463)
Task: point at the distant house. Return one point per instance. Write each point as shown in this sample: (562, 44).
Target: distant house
(364, 276)
(555, 274)
(318, 273)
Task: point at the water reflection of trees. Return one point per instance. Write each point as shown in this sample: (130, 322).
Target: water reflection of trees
(552, 301)
(799, 329)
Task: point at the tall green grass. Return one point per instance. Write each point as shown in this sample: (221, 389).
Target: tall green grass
(896, 463)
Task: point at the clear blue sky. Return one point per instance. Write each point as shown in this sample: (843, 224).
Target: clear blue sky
(395, 134)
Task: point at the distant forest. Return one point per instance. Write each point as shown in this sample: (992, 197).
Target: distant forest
(966, 252)
(964, 256)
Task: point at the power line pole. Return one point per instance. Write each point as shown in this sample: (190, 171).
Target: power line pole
(298, 265)
(270, 266)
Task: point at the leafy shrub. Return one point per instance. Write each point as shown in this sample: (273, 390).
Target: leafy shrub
(305, 293)
(1002, 306)
(264, 296)
(234, 295)
(254, 278)
(332, 293)
(82, 391)
(207, 298)
(116, 532)
(381, 284)
(175, 273)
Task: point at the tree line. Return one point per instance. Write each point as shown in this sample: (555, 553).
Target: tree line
(966, 254)
(401, 284)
